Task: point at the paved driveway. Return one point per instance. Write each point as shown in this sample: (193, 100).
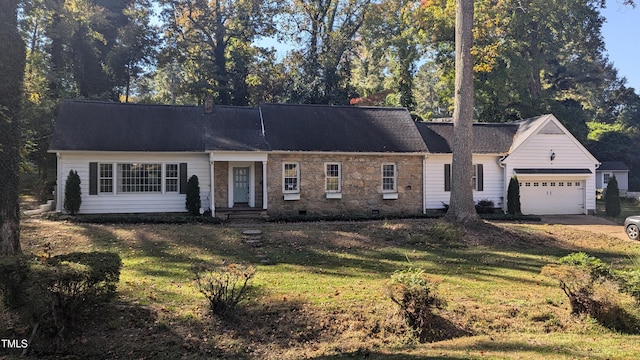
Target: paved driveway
(589, 223)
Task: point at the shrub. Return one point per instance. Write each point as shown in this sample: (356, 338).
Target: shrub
(513, 196)
(193, 203)
(56, 291)
(414, 294)
(223, 286)
(594, 289)
(485, 207)
(612, 198)
(72, 193)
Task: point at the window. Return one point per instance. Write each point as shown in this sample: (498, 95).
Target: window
(561, 183)
(291, 177)
(544, 183)
(527, 184)
(477, 178)
(606, 177)
(389, 179)
(106, 178)
(333, 177)
(171, 178)
(139, 178)
(569, 183)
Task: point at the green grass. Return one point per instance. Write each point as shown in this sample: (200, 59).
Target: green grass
(628, 207)
(323, 292)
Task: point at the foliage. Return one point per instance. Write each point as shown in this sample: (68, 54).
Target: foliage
(72, 193)
(485, 206)
(12, 70)
(192, 202)
(612, 198)
(513, 196)
(593, 288)
(224, 286)
(56, 291)
(412, 291)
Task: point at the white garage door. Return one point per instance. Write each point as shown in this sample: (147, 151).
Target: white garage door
(547, 197)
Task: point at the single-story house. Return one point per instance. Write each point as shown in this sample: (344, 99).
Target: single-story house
(609, 169)
(307, 159)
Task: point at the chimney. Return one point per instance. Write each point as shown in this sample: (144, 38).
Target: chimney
(208, 105)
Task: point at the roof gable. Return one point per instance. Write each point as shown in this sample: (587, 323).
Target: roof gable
(544, 125)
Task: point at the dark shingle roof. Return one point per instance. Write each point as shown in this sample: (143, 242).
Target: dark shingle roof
(103, 126)
(613, 165)
(487, 138)
(234, 128)
(340, 128)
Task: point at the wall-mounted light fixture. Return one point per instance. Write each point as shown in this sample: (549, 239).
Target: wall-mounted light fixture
(552, 156)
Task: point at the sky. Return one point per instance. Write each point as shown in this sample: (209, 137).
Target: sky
(621, 35)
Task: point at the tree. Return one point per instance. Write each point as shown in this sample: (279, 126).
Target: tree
(192, 202)
(513, 196)
(72, 193)
(612, 198)
(321, 70)
(461, 205)
(213, 43)
(12, 61)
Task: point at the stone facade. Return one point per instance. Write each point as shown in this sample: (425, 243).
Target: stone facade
(361, 185)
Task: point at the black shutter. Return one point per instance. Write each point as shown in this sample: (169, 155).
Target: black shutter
(93, 178)
(183, 178)
(480, 177)
(447, 177)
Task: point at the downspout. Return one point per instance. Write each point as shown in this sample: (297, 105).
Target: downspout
(58, 193)
(505, 186)
(212, 202)
(424, 184)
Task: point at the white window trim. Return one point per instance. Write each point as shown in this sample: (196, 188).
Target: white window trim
(284, 190)
(474, 177)
(395, 178)
(113, 178)
(164, 178)
(327, 177)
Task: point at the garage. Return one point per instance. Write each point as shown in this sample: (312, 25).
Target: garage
(552, 191)
(552, 196)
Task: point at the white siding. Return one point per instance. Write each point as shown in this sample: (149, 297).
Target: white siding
(622, 177)
(197, 164)
(536, 151)
(492, 174)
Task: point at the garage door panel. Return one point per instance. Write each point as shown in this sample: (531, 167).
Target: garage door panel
(549, 197)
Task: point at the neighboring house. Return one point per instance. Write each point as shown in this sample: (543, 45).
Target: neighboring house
(609, 169)
(307, 159)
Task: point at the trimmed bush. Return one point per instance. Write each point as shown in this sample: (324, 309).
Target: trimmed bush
(612, 198)
(513, 196)
(223, 286)
(485, 207)
(56, 291)
(72, 193)
(414, 294)
(193, 203)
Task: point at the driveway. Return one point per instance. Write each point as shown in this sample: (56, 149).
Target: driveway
(589, 223)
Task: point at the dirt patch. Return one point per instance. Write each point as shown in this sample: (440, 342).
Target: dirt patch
(590, 223)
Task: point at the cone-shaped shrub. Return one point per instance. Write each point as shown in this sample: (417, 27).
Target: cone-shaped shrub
(612, 198)
(193, 196)
(513, 196)
(72, 193)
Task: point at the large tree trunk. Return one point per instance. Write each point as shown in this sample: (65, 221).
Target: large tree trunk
(461, 205)
(12, 61)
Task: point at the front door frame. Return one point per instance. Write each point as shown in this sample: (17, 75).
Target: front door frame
(252, 186)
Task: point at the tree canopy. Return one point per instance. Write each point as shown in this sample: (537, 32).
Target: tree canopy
(530, 57)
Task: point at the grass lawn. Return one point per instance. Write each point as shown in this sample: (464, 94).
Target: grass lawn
(628, 207)
(322, 292)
